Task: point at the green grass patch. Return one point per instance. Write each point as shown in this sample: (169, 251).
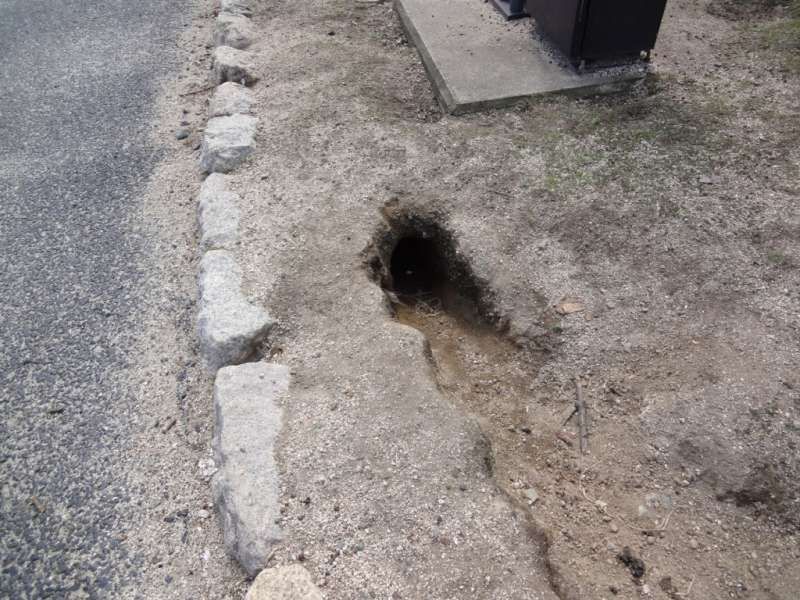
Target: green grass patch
(777, 258)
(784, 37)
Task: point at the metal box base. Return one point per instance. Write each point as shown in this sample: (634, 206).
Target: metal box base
(477, 60)
(511, 9)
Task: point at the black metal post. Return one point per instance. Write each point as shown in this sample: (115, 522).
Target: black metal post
(511, 9)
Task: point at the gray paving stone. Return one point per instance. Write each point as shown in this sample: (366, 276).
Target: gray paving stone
(231, 64)
(236, 7)
(227, 142)
(230, 99)
(245, 487)
(236, 31)
(230, 328)
(217, 214)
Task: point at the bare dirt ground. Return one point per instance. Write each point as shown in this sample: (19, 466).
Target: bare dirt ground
(667, 217)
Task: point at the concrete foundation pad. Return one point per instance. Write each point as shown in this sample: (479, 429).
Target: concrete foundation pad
(476, 59)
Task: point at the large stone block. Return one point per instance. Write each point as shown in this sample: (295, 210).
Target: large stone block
(217, 214)
(230, 328)
(227, 142)
(245, 487)
(235, 65)
(233, 30)
(236, 7)
(230, 99)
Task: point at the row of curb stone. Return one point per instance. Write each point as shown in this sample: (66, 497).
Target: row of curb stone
(247, 395)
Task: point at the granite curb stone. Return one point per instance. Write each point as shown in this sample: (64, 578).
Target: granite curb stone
(236, 7)
(230, 328)
(245, 486)
(217, 214)
(230, 99)
(233, 30)
(227, 142)
(235, 65)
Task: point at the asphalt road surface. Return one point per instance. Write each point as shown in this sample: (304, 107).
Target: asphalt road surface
(77, 86)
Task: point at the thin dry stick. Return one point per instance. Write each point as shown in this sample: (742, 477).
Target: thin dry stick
(596, 410)
(689, 589)
(666, 521)
(270, 556)
(192, 92)
(38, 505)
(580, 405)
(569, 418)
(499, 193)
(580, 409)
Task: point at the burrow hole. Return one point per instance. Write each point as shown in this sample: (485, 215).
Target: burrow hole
(418, 265)
(432, 287)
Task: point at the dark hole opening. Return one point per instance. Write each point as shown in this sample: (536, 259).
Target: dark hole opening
(417, 267)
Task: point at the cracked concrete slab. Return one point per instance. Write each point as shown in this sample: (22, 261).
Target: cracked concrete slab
(248, 419)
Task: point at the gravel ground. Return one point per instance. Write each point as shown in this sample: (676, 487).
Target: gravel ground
(667, 214)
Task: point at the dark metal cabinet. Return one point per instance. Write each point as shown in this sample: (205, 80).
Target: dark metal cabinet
(599, 30)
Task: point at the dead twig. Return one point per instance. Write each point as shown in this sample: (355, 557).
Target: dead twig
(200, 91)
(664, 524)
(580, 407)
(689, 589)
(499, 193)
(37, 505)
(270, 556)
(563, 437)
(569, 418)
(663, 527)
(170, 425)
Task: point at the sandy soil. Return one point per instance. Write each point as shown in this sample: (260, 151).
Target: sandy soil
(668, 214)
(180, 546)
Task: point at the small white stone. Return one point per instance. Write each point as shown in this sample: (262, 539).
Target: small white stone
(532, 495)
(291, 582)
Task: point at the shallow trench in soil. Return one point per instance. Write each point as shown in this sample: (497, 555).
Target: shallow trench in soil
(479, 370)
